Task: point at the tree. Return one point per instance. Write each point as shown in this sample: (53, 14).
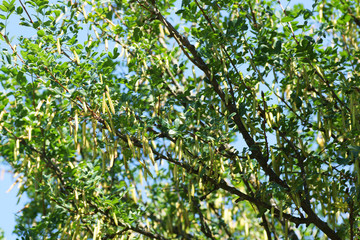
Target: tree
(183, 119)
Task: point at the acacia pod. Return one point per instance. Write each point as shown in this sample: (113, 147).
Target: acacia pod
(297, 200)
(133, 194)
(103, 104)
(122, 52)
(103, 157)
(112, 108)
(115, 219)
(151, 156)
(83, 128)
(175, 173)
(83, 11)
(111, 156)
(77, 59)
(50, 121)
(106, 44)
(107, 126)
(130, 144)
(95, 31)
(58, 46)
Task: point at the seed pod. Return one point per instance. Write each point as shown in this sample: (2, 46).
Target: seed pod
(76, 195)
(222, 168)
(83, 11)
(107, 126)
(175, 173)
(103, 104)
(320, 140)
(58, 46)
(29, 129)
(145, 145)
(267, 117)
(77, 59)
(130, 144)
(162, 33)
(83, 128)
(125, 163)
(297, 200)
(96, 33)
(180, 150)
(103, 157)
(109, 100)
(122, 52)
(151, 156)
(50, 121)
(106, 45)
(134, 195)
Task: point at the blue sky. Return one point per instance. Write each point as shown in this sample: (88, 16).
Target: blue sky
(9, 200)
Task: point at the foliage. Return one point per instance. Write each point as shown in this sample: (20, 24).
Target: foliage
(182, 119)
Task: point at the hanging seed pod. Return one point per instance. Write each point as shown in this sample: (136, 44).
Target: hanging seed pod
(130, 144)
(103, 104)
(320, 140)
(180, 150)
(112, 108)
(83, 128)
(151, 156)
(329, 128)
(77, 228)
(196, 146)
(77, 59)
(108, 126)
(83, 11)
(141, 177)
(297, 200)
(115, 152)
(47, 106)
(303, 149)
(175, 173)
(111, 157)
(106, 44)
(122, 52)
(222, 168)
(133, 192)
(58, 46)
(125, 163)
(190, 186)
(95, 31)
(103, 157)
(177, 147)
(48, 125)
(267, 117)
(145, 145)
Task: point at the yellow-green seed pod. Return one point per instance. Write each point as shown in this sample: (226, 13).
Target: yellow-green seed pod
(58, 46)
(77, 59)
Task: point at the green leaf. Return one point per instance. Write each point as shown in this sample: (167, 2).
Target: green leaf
(137, 34)
(19, 10)
(41, 33)
(4, 8)
(287, 19)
